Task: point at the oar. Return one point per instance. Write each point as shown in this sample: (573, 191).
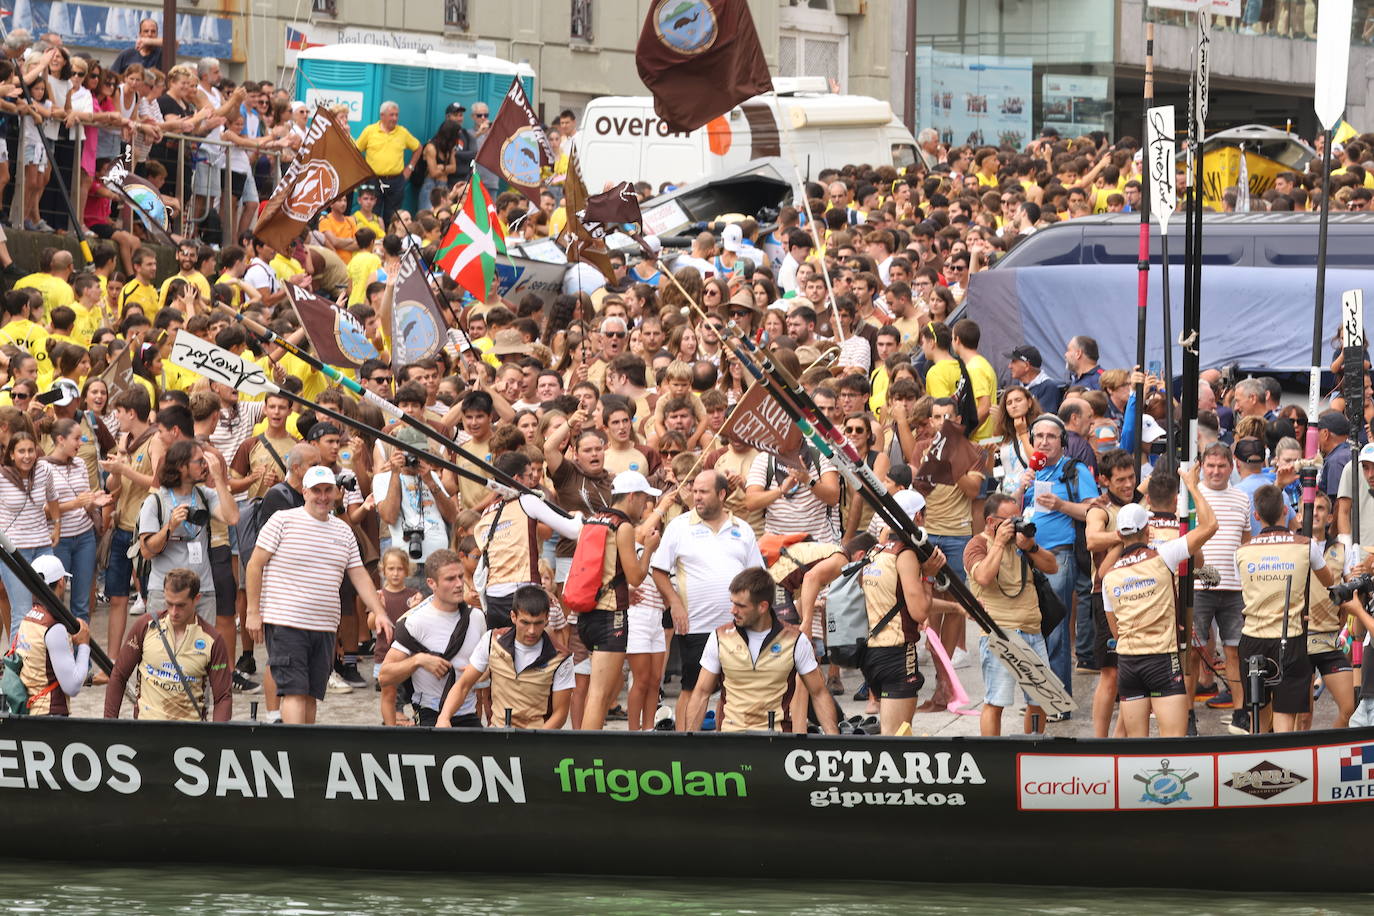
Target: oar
(1029, 669)
(391, 410)
(40, 589)
(960, 694)
(220, 365)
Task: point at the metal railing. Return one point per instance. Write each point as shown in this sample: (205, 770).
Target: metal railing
(221, 182)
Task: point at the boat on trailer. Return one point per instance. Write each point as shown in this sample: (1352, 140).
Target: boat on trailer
(1127, 813)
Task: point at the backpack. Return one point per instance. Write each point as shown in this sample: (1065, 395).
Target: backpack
(251, 519)
(1082, 556)
(846, 615)
(584, 586)
(14, 693)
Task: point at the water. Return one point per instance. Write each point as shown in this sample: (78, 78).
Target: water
(73, 890)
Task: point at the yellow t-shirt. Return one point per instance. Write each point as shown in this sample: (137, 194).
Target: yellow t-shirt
(286, 267)
(313, 380)
(232, 282)
(33, 340)
(196, 279)
(984, 385)
(362, 270)
(55, 291)
(373, 222)
(942, 378)
(385, 150)
(138, 293)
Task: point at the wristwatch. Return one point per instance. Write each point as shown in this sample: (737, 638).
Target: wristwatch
(1034, 548)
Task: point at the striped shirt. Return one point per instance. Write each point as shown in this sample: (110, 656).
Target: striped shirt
(70, 480)
(235, 428)
(22, 515)
(1232, 509)
(309, 559)
(800, 513)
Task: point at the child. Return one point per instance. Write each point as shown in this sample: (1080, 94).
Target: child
(397, 598)
(36, 166)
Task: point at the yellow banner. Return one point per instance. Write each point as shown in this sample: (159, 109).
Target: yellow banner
(1221, 170)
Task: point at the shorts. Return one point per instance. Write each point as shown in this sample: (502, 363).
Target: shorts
(498, 610)
(1103, 656)
(604, 631)
(300, 660)
(205, 603)
(1142, 676)
(236, 182)
(999, 686)
(891, 672)
(1332, 662)
(119, 569)
(430, 717)
(222, 574)
(785, 606)
(1293, 693)
(207, 180)
(36, 155)
(690, 648)
(646, 635)
(1227, 608)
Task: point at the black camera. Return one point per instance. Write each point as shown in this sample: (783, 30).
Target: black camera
(412, 461)
(1023, 526)
(1361, 585)
(198, 516)
(415, 542)
(347, 480)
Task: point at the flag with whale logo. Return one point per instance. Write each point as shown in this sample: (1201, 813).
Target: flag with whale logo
(516, 147)
(700, 58)
(417, 323)
(335, 335)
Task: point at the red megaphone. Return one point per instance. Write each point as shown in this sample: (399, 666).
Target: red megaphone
(1038, 460)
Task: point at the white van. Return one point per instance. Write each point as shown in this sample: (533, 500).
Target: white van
(622, 138)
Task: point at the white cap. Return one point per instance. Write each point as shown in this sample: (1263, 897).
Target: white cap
(627, 482)
(1367, 453)
(855, 352)
(1150, 430)
(1132, 519)
(69, 392)
(317, 475)
(732, 238)
(910, 502)
(654, 243)
(50, 568)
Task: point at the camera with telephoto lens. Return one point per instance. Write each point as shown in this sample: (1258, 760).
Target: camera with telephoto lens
(415, 542)
(1023, 526)
(412, 461)
(198, 516)
(1361, 585)
(347, 480)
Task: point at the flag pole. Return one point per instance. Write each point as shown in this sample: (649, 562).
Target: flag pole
(1143, 261)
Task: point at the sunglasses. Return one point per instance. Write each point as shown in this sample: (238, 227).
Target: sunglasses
(480, 114)
(612, 333)
(855, 430)
(381, 378)
(738, 313)
(669, 453)
(711, 291)
(16, 396)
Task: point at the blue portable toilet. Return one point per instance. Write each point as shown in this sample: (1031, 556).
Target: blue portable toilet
(468, 78)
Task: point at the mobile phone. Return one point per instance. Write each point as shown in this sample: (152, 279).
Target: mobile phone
(1155, 368)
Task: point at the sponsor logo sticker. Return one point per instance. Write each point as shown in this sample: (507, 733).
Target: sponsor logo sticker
(1062, 782)
(1260, 779)
(1176, 781)
(1345, 772)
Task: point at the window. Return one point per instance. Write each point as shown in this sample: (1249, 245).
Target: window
(456, 14)
(581, 25)
(325, 7)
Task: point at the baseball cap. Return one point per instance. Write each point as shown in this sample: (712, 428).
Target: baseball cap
(1150, 430)
(454, 108)
(317, 475)
(855, 352)
(732, 238)
(653, 243)
(50, 568)
(1367, 453)
(1333, 421)
(1251, 451)
(910, 502)
(627, 482)
(67, 392)
(1028, 354)
(322, 429)
(1132, 519)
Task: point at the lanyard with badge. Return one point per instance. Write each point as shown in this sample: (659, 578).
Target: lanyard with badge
(195, 550)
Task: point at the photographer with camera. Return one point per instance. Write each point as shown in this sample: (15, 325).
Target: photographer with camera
(174, 523)
(413, 502)
(999, 560)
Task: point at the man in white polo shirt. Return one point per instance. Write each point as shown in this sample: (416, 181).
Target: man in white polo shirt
(299, 561)
(701, 553)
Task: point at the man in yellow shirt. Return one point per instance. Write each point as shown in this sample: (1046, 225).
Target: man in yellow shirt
(362, 269)
(140, 290)
(366, 217)
(384, 145)
(24, 333)
(53, 278)
(187, 258)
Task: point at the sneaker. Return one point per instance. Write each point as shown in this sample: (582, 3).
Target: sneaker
(42, 226)
(1240, 723)
(835, 685)
(708, 722)
(246, 664)
(1204, 692)
(862, 692)
(367, 648)
(959, 659)
(1060, 716)
(244, 684)
(617, 713)
(1222, 700)
(664, 720)
(350, 675)
(337, 684)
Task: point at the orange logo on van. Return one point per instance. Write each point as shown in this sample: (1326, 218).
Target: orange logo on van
(718, 135)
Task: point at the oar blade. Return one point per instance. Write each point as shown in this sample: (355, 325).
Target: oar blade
(219, 365)
(1032, 673)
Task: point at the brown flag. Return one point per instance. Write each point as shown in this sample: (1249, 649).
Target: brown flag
(119, 375)
(949, 457)
(700, 58)
(618, 205)
(336, 336)
(418, 328)
(759, 421)
(327, 164)
(585, 243)
(515, 147)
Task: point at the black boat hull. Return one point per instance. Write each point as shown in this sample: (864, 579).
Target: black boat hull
(1064, 812)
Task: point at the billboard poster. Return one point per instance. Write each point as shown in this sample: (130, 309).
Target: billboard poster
(115, 27)
(1075, 105)
(974, 98)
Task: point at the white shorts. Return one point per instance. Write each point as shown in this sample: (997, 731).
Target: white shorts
(207, 180)
(584, 666)
(646, 631)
